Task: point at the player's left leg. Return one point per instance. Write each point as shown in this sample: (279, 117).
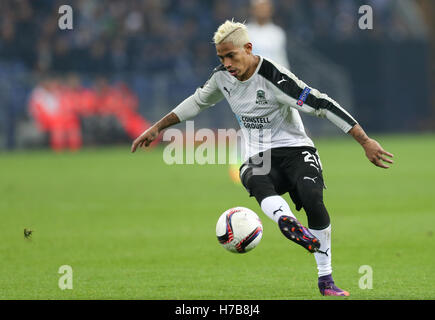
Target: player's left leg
(311, 196)
(307, 192)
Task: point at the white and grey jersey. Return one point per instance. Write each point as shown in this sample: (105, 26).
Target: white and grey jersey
(266, 106)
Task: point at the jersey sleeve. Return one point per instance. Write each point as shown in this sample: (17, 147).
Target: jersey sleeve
(209, 94)
(205, 96)
(291, 91)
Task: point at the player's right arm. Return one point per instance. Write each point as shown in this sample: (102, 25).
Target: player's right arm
(204, 97)
(153, 132)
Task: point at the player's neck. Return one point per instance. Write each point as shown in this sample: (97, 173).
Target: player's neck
(253, 66)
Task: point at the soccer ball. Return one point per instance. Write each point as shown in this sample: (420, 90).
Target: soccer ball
(239, 230)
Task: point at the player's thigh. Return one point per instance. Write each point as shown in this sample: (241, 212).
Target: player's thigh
(262, 185)
(303, 171)
(302, 163)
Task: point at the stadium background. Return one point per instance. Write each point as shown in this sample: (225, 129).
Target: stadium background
(133, 227)
(162, 51)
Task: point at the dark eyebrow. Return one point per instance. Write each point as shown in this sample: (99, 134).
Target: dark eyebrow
(221, 57)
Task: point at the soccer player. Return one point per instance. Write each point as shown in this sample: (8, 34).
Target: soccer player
(268, 40)
(266, 99)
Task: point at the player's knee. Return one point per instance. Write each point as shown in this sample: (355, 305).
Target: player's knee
(258, 186)
(260, 189)
(310, 191)
(311, 196)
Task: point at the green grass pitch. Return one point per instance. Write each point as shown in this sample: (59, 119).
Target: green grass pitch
(133, 227)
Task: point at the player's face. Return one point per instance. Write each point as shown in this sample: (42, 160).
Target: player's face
(236, 60)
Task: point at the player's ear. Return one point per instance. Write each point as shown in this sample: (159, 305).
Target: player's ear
(248, 47)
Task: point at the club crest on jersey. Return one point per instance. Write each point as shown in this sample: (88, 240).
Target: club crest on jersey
(261, 97)
(303, 96)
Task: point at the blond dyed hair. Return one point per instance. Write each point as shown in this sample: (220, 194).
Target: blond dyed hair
(230, 31)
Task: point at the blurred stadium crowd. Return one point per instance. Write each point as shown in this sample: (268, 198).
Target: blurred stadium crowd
(152, 40)
(63, 107)
(165, 35)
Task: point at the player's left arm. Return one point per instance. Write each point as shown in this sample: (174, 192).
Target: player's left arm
(322, 105)
(374, 151)
(293, 92)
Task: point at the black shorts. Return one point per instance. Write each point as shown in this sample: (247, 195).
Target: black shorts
(287, 166)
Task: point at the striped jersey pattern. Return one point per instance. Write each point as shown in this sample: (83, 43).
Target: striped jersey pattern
(267, 106)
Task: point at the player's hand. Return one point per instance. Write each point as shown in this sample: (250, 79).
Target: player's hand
(376, 154)
(145, 138)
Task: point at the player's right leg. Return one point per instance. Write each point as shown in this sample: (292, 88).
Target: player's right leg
(296, 232)
(264, 189)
